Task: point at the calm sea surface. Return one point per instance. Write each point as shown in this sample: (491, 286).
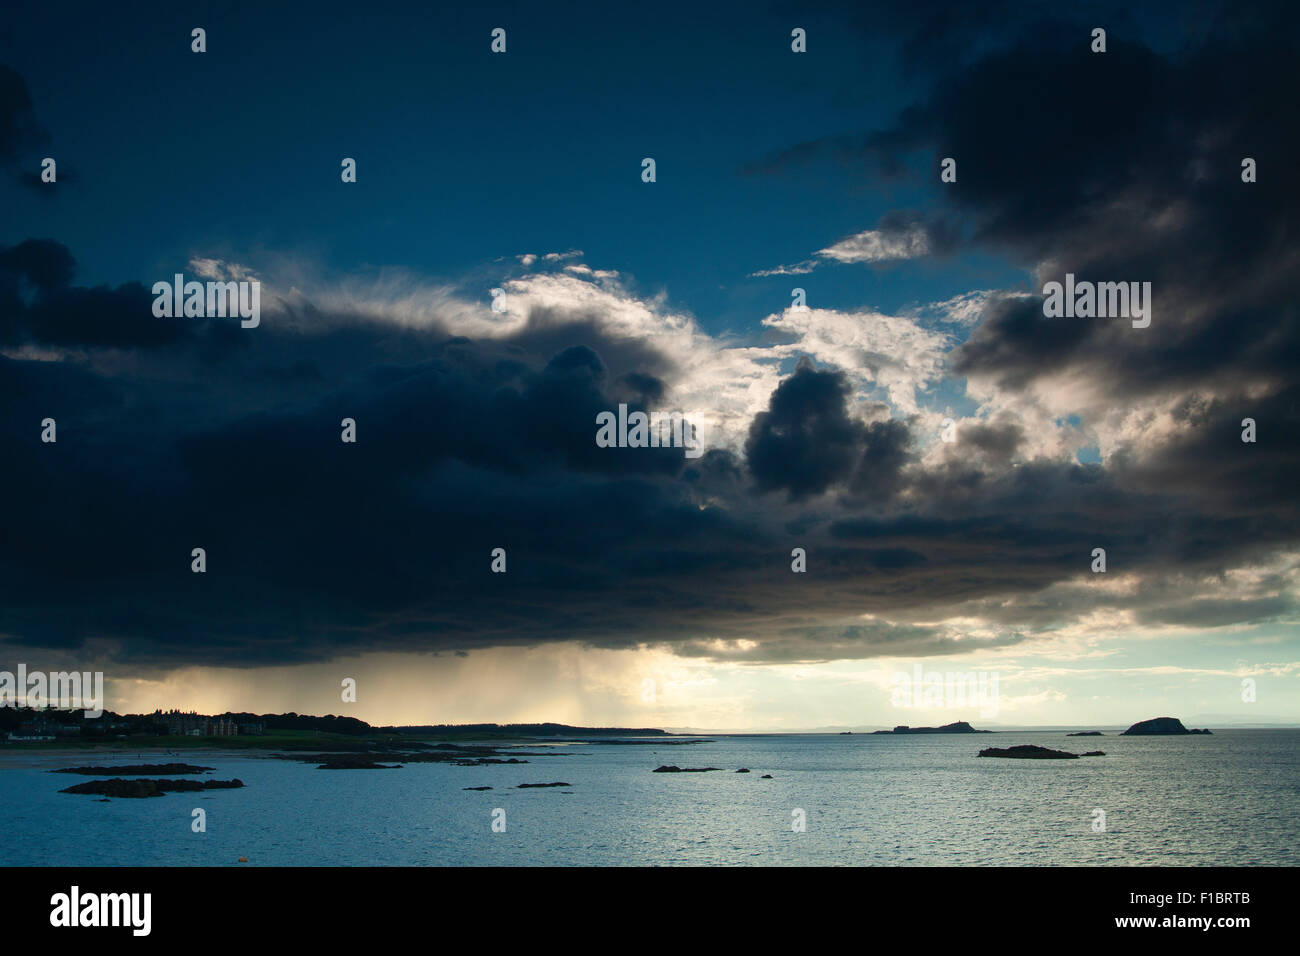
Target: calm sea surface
(1228, 799)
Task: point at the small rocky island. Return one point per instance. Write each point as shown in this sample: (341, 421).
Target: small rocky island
(959, 727)
(135, 769)
(119, 787)
(1028, 752)
(1159, 726)
(1086, 733)
(369, 758)
(675, 769)
(355, 762)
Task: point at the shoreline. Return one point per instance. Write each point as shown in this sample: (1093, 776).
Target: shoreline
(28, 759)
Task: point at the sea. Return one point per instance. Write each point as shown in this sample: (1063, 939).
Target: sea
(1227, 799)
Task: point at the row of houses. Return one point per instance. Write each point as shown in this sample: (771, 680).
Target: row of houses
(42, 729)
(30, 731)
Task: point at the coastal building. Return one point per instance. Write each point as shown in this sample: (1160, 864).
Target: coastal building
(190, 724)
(220, 727)
(179, 723)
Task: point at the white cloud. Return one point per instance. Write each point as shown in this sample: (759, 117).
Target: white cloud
(873, 245)
(877, 245)
(890, 351)
(798, 269)
(220, 269)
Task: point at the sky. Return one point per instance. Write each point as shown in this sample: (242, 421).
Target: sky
(861, 344)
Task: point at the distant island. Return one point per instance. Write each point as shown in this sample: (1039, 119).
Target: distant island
(959, 727)
(1159, 726)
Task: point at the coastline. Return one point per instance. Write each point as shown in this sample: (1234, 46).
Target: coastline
(56, 757)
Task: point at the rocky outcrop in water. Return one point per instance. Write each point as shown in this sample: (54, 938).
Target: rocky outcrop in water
(1162, 726)
(350, 762)
(671, 769)
(118, 787)
(1028, 752)
(1087, 733)
(526, 786)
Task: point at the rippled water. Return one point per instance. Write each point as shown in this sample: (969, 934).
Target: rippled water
(1228, 799)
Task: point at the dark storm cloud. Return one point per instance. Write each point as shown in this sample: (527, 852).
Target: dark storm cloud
(1217, 613)
(1162, 202)
(40, 306)
(22, 137)
(1209, 466)
(46, 265)
(999, 440)
(806, 441)
(317, 548)
(1122, 166)
(19, 130)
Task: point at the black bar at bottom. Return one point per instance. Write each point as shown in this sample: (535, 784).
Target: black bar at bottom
(251, 905)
